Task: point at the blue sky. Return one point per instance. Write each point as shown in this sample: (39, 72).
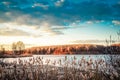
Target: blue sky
(58, 21)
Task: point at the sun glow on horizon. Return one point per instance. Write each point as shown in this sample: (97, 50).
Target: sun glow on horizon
(53, 23)
(36, 41)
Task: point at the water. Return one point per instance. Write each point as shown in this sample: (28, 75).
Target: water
(53, 58)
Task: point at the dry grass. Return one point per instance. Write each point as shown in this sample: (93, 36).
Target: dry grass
(83, 69)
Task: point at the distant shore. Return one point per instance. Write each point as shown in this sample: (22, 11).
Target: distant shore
(80, 49)
(31, 55)
(14, 56)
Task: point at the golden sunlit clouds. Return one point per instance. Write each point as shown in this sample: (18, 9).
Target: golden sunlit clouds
(44, 28)
(12, 29)
(13, 32)
(41, 41)
(29, 34)
(47, 33)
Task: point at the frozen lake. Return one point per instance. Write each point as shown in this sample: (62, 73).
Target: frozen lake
(62, 58)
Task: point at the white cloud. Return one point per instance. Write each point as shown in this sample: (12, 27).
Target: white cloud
(47, 29)
(6, 3)
(89, 22)
(13, 29)
(115, 22)
(16, 29)
(59, 3)
(40, 5)
(94, 21)
(13, 32)
(26, 19)
(8, 13)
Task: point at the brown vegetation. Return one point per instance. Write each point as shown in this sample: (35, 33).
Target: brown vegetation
(83, 69)
(66, 49)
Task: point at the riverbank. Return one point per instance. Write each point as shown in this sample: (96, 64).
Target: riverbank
(15, 56)
(61, 68)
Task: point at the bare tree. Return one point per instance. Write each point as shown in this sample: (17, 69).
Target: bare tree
(2, 49)
(14, 47)
(20, 46)
(109, 41)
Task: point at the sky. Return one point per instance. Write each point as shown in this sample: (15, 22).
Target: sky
(53, 22)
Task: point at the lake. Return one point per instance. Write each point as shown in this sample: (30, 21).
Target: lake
(56, 58)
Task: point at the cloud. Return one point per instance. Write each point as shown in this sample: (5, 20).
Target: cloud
(13, 29)
(59, 14)
(94, 21)
(40, 5)
(60, 28)
(115, 22)
(69, 10)
(31, 30)
(88, 41)
(89, 22)
(26, 20)
(13, 32)
(47, 28)
(59, 3)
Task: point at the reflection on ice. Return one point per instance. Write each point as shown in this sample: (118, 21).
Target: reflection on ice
(83, 66)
